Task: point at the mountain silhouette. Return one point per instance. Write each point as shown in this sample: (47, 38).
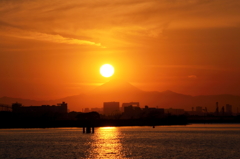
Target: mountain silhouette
(10, 100)
(122, 91)
(116, 86)
(113, 90)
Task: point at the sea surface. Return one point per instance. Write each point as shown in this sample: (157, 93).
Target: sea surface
(196, 141)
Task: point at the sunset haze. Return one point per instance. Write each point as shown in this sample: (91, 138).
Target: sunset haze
(54, 49)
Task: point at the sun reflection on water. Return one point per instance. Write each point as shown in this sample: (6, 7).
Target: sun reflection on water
(106, 143)
(107, 128)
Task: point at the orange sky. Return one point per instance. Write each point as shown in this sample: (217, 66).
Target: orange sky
(54, 49)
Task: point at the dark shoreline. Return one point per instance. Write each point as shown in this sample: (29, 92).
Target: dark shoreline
(28, 123)
(11, 120)
(71, 124)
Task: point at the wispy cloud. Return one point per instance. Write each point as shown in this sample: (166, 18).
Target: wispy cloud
(58, 39)
(120, 22)
(16, 31)
(137, 17)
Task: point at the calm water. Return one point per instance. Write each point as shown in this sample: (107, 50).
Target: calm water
(193, 141)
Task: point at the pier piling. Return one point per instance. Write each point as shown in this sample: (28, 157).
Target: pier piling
(83, 129)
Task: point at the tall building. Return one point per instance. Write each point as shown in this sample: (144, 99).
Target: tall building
(222, 111)
(217, 111)
(111, 108)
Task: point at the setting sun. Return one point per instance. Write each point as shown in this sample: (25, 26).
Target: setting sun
(107, 70)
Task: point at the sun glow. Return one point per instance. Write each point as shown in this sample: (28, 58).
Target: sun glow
(106, 70)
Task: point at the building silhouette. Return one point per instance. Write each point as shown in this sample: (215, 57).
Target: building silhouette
(198, 112)
(111, 108)
(217, 111)
(199, 109)
(99, 110)
(172, 111)
(86, 110)
(131, 109)
(134, 104)
(228, 109)
(4, 107)
(223, 111)
(60, 108)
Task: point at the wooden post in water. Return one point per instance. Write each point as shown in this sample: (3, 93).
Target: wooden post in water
(83, 130)
(92, 129)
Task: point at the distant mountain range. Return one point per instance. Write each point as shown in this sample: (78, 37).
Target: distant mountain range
(123, 92)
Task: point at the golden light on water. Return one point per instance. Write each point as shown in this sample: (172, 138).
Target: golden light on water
(108, 128)
(106, 143)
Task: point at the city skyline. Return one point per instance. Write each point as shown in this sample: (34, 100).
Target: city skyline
(121, 91)
(54, 50)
